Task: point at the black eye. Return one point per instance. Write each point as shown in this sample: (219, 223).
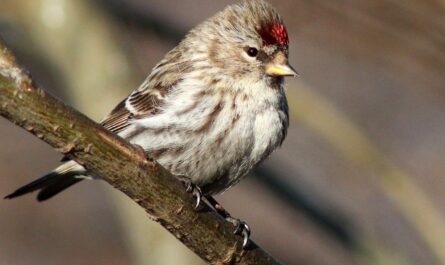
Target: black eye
(252, 52)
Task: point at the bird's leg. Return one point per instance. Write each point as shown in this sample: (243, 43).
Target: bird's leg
(241, 227)
(192, 188)
(217, 206)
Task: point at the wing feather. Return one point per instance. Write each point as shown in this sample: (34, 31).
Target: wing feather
(146, 100)
(139, 104)
(149, 97)
(118, 119)
(120, 116)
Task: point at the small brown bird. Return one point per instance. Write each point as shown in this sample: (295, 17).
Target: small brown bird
(211, 110)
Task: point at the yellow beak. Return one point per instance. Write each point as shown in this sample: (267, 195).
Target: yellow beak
(281, 70)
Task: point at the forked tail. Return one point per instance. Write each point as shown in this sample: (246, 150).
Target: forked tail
(51, 184)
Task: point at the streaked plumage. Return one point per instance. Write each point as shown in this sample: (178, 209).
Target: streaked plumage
(209, 110)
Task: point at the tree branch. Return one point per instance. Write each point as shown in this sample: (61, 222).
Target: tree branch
(121, 165)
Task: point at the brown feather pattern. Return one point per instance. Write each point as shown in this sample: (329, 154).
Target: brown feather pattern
(117, 120)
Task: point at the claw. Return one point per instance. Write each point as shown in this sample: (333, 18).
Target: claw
(246, 236)
(192, 188)
(242, 229)
(197, 193)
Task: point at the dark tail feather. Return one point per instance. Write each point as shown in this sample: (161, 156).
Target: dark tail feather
(49, 185)
(59, 186)
(33, 186)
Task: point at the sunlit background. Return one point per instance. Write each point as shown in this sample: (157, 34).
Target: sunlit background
(359, 180)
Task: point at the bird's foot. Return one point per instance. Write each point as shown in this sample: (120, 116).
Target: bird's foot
(193, 189)
(241, 228)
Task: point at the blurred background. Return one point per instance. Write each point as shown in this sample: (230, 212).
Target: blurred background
(359, 179)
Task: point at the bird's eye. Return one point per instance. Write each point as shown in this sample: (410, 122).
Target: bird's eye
(252, 52)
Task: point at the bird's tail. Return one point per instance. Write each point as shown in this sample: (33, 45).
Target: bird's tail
(51, 184)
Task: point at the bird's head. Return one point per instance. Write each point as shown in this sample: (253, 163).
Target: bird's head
(245, 42)
(245, 45)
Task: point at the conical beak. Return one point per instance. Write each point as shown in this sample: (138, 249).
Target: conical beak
(281, 70)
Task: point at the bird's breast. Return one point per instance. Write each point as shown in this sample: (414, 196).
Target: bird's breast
(215, 138)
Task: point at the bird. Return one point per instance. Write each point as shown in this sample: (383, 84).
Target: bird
(211, 110)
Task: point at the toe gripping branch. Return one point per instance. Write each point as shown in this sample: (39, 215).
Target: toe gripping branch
(241, 227)
(193, 189)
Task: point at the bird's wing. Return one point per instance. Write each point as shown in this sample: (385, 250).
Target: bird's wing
(149, 97)
(146, 100)
(141, 103)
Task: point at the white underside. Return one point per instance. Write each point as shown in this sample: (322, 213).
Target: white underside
(257, 132)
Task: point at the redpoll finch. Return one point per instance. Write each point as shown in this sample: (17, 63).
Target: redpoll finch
(211, 110)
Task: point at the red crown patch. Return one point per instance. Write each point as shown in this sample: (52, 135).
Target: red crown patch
(274, 34)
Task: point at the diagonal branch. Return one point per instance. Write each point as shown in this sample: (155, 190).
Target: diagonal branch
(121, 165)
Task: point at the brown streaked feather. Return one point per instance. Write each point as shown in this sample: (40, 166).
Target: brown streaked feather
(142, 103)
(117, 120)
(146, 100)
(212, 116)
